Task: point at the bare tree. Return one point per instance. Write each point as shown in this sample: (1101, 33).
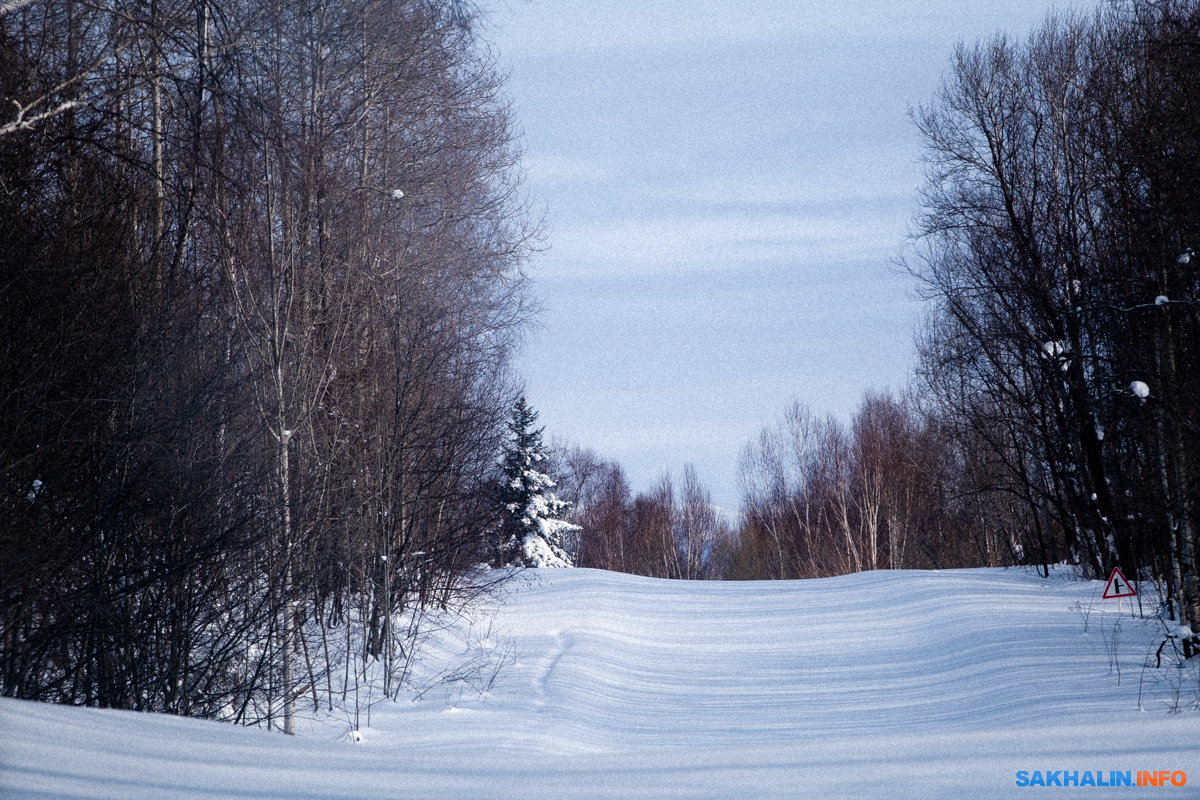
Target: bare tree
(1058, 239)
(276, 410)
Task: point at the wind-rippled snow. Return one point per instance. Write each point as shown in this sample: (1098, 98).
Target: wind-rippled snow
(881, 684)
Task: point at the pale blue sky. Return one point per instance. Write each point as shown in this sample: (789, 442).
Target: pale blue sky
(727, 187)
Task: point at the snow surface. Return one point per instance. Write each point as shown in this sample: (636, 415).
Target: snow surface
(589, 684)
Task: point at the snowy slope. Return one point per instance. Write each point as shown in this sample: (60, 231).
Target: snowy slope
(885, 684)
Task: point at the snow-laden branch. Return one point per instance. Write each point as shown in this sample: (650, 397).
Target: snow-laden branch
(7, 6)
(22, 122)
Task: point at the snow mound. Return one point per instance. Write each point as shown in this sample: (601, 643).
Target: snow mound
(883, 684)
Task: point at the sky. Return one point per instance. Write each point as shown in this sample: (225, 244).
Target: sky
(727, 189)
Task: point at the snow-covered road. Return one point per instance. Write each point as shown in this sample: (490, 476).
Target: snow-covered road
(882, 684)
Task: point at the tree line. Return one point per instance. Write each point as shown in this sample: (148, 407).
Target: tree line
(889, 490)
(1055, 413)
(260, 283)
(666, 532)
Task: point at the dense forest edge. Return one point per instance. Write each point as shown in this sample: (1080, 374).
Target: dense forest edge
(262, 282)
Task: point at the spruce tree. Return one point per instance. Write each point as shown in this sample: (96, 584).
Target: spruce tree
(532, 528)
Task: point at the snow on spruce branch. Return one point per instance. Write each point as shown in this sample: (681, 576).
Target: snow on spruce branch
(533, 532)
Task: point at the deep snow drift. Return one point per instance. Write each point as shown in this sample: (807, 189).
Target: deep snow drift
(593, 684)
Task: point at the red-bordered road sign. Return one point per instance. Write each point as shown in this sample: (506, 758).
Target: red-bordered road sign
(1117, 586)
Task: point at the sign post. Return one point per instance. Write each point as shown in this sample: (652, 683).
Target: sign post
(1118, 587)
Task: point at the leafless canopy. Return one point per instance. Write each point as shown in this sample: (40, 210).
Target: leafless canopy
(261, 279)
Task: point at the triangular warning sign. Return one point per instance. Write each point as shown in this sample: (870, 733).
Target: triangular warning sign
(1117, 586)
